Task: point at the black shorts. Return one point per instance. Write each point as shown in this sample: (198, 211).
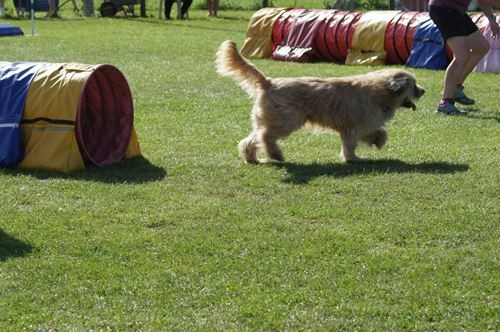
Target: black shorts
(451, 22)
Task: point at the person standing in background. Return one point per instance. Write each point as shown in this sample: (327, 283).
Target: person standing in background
(213, 7)
(52, 9)
(184, 9)
(467, 44)
(2, 8)
(20, 7)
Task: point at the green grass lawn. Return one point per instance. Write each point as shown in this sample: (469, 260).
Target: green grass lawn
(190, 238)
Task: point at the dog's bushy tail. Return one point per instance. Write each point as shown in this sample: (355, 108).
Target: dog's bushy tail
(231, 64)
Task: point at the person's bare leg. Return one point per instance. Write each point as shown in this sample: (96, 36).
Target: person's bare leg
(479, 46)
(52, 8)
(216, 6)
(210, 5)
(457, 66)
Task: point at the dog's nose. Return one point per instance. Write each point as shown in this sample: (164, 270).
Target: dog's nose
(420, 92)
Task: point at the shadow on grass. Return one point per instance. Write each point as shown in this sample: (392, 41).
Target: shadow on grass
(302, 174)
(11, 247)
(475, 113)
(136, 170)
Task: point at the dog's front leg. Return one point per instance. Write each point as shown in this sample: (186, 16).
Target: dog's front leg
(377, 138)
(349, 142)
(271, 146)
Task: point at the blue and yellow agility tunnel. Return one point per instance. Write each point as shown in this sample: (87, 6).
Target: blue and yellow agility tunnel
(62, 116)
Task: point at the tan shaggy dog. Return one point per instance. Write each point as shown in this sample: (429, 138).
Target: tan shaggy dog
(357, 107)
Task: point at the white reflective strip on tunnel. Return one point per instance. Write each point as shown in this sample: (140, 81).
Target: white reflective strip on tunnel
(9, 125)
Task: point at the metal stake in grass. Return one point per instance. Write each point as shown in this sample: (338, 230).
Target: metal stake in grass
(32, 12)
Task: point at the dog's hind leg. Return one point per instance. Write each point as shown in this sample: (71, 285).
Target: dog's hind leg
(349, 143)
(248, 148)
(377, 138)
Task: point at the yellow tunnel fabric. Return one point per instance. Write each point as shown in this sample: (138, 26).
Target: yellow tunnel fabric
(368, 41)
(48, 125)
(49, 118)
(258, 44)
(133, 148)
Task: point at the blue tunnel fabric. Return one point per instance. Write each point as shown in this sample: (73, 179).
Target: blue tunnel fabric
(7, 29)
(428, 50)
(15, 80)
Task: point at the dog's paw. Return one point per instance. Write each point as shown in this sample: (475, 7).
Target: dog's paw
(278, 159)
(357, 159)
(381, 139)
(376, 139)
(252, 161)
(271, 161)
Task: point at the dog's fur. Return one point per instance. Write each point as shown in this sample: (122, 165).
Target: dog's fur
(357, 107)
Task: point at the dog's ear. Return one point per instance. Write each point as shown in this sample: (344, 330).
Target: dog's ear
(398, 84)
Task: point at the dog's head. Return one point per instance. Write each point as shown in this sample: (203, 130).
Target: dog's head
(403, 86)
